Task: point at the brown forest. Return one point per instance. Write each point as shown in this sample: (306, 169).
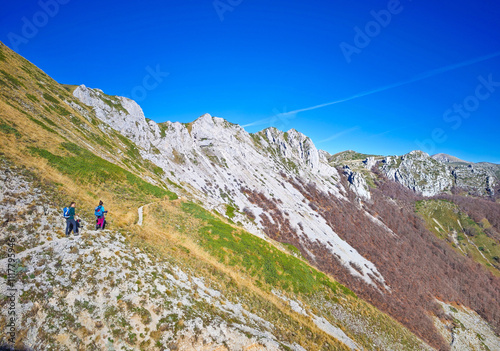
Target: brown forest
(417, 266)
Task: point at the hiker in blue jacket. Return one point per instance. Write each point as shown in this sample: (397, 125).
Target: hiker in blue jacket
(69, 214)
(99, 213)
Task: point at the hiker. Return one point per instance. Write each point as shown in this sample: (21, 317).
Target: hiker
(69, 214)
(99, 213)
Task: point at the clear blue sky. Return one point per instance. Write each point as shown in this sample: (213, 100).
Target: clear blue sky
(265, 58)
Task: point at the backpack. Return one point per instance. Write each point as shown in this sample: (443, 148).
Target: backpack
(66, 212)
(98, 211)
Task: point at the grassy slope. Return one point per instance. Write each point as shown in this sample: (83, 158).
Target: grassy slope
(453, 225)
(258, 268)
(45, 129)
(44, 126)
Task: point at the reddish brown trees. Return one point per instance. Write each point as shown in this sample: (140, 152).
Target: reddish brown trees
(417, 266)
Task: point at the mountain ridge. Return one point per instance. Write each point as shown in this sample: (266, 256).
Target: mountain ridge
(444, 182)
(267, 197)
(350, 221)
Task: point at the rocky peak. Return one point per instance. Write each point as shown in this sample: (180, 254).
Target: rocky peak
(211, 129)
(357, 183)
(432, 175)
(293, 145)
(419, 172)
(122, 114)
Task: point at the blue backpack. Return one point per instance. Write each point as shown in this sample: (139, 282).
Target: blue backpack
(66, 212)
(98, 211)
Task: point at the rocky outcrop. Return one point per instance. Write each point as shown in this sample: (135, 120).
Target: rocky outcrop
(419, 172)
(357, 183)
(475, 179)
(428, 176)
(369, 162)
(122, 114)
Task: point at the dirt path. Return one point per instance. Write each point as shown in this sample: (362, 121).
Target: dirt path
(139, 211)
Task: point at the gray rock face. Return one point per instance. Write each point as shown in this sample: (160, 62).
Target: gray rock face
(122, 114)
(430, 176)
(419, 172)
(369, 162)
(475, 179)
(357, 183)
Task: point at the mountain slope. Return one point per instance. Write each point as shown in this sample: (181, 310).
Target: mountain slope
(215, 160)
(352, 223)
(280, 184)
(186, 278)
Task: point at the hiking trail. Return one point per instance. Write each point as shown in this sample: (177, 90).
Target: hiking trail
(139, 211)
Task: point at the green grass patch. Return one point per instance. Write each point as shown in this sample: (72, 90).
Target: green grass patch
(349, 155)
(132, 150)
(169, 181)
(13, 80)
(50, 98)
(2, 55)
(43, 125)
(49, 121)
(293, 249)
(32, 97)
(230, 211)
(258, 258)
(163, 129)
(60, 110)
(157, 170)
(87, 167)
(470, 236)
(100, 140)
(8, 129)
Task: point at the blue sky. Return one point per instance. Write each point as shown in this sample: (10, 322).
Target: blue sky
(426, 75)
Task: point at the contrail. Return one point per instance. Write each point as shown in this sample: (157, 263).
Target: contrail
(395, 85)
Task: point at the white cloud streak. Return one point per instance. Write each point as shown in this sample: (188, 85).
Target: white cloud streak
(417, 78)
(289, 115)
